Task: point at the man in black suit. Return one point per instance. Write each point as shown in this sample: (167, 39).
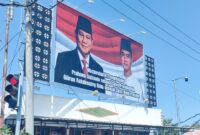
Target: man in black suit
(73, 66)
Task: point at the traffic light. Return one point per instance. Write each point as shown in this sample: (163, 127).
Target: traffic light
(12, 89)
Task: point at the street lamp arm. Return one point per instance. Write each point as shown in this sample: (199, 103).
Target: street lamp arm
(182, 77)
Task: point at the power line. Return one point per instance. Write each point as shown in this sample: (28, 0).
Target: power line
(10, 40)
(162, 29)
(172, 25)
(179, 90)
(190, 118)
(15, 54)
(160, 38)
(5, 45)
(192, 97)
(195, 123)
(58, 2)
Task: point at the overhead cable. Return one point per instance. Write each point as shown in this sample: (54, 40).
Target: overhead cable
(155, 35)
(168, 22)
(10, 40)
(16, 51)
(195, 123)
(190, 118)
(180, 91)
(162, 29)
(58, 2)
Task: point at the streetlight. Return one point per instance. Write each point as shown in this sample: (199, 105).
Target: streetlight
(116, 20)
(175, 95)
(84, 3)
(139, 32)
(90, 1)
(122, 20)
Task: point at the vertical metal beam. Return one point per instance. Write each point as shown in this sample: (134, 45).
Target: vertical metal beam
(19, 101)
(177, 105)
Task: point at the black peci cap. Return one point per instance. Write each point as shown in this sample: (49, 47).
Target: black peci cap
(126, 45)
(84, 24)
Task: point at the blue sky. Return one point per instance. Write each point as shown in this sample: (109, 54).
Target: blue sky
(170, 63)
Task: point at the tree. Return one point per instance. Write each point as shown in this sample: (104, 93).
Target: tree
(168, 131)
(167, 122)
(5, 130)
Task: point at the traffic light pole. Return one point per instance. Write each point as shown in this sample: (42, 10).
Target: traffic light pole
(19, 100)
(29, 117)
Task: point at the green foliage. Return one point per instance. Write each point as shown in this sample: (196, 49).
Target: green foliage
(168, 123)
(5, 130)
(23, 132)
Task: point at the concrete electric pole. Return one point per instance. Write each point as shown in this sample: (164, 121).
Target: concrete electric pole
(29, 116)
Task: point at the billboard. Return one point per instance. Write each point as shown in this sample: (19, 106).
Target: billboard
(91, 56)
(88, 110)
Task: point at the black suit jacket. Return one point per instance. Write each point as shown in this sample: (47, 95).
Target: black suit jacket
(68, 61)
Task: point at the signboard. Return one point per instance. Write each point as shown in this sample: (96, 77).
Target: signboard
(92, 56)
(87, 110)
(57, 108)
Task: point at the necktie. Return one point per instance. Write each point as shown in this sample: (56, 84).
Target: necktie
(85, 67)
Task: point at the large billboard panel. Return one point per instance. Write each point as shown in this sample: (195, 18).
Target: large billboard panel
(92, 56)
(55, 107)
(87, 110)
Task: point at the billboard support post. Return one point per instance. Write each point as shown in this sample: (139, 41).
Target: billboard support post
(29, 117)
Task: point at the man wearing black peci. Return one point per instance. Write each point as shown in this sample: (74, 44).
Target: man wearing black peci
(79, 60)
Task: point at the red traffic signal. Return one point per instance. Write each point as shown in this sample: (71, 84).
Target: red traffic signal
(12, 89)
(13, 79)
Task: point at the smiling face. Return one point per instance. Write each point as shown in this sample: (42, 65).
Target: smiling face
(126, 59)
(84, 42)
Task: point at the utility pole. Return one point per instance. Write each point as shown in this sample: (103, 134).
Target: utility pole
(9, 16)
(29, 116)
(176, 100)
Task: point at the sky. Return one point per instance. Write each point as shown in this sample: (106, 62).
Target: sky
(172, 39)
